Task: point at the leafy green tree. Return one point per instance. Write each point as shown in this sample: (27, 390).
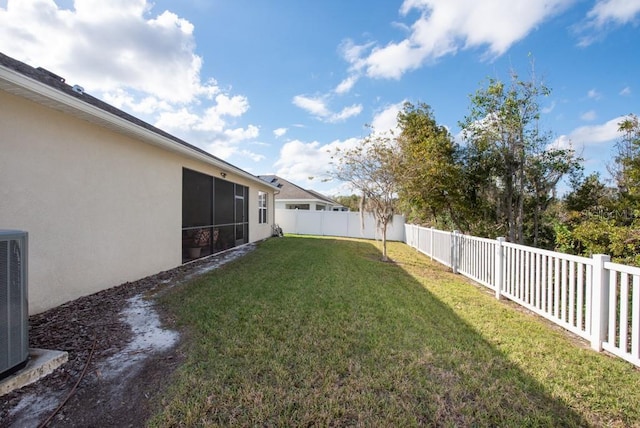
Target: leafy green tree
(602, 235)
(352, 202)
(481, 192)
(586, 193)
(371, 168)
(508, 161)
(599, 219)
(587, 203)
(543, 171)
(428, 176)
(627, 172)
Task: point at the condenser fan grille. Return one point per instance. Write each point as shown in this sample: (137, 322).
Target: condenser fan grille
(14, 312)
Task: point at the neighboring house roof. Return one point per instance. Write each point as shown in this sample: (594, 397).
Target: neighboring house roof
(322, 197)
(48, 89)
(292, 192)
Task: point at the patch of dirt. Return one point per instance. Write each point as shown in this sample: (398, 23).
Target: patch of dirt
(121, 353)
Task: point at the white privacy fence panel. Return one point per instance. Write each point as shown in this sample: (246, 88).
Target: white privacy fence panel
(336, 223)
(591, 297)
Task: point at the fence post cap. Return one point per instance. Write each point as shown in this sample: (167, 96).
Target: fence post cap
(500, 239)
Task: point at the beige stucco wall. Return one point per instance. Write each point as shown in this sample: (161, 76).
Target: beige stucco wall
(101, 209)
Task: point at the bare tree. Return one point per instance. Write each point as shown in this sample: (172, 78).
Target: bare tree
(370, 169)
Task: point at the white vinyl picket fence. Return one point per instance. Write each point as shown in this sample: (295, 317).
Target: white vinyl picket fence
(592, 297)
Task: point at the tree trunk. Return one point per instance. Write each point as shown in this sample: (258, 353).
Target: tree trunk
(520, 191)
(520, 219)
(536, 222)
(509, 206)
(384, 241)
(521, 208)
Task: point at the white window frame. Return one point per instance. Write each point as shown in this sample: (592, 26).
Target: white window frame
(262, 208)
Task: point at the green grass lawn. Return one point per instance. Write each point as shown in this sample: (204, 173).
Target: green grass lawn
(311, 331)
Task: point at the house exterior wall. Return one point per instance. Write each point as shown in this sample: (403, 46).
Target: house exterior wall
(100, 208)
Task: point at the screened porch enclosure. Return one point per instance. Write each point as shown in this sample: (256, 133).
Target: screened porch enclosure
(215, 215)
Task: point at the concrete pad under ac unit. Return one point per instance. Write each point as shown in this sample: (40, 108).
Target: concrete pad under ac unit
(41, 363)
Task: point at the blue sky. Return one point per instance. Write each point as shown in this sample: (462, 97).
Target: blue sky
(273, 85)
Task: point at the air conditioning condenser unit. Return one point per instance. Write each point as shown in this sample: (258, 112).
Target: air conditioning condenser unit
(14, 306)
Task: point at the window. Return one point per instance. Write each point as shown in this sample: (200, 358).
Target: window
(262, 207)
(297, 206)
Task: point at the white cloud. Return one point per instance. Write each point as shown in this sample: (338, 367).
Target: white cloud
(131, 57)
(105, 46)
(346, 113)
(253, 156)
(548, 109)
(341, 189)
(315, 106)
(626, 91)
(594, 94)
(604, 15)
(241, 134)
(318, 108)
(395, 59)
(233, 106)
(126, 101)
(613, 12)
(447, 26)
(318, 105)
(226, 146)
(279, 132)
(346, 85)
(222, 150)
(563, 142)
(299, 160)
(591, 134)
(589, 116)
(181, 119)
(387, 119)
(211, 132)
(353, 53)
(210, 121)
